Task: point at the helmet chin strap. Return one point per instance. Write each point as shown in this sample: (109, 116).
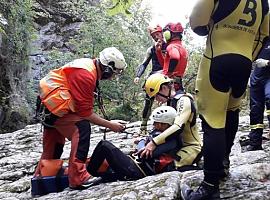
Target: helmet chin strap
(170, 91)
(164, 96)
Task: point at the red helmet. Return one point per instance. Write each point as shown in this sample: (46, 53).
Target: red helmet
(174, 27)
(152, 30)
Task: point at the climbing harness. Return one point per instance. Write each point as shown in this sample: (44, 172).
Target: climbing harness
(43, 115)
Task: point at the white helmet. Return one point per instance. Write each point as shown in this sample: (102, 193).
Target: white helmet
(164, 114)
(111, 56)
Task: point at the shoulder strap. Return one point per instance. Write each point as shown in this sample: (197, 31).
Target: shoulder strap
(174, 101)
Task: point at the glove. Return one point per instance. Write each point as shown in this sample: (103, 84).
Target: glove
(261, 63)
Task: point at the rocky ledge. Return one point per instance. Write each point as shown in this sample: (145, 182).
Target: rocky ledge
(19, 153)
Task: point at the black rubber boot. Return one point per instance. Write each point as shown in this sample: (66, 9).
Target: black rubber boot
(206, 191)
(214, 153)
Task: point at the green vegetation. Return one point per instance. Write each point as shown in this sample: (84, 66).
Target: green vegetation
(122, 99)
(194, 59)
(15, 32)
(17, 13)
(120, 6)
(119, 23)
(129, 35)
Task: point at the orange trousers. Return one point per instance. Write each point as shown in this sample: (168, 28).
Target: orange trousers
(78, 131)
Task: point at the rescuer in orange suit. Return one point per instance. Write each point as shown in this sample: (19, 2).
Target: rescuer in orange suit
(68, 96)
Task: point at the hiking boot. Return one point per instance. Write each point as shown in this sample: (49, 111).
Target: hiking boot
(206, 191)
(90, 182)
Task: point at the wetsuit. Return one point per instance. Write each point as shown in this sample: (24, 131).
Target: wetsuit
(174, 62)
(150, 55)
(122, 166)
(126, 167)
(259, 97)
(156, 66)
(186, 128)
(236, 30)
(75, 81)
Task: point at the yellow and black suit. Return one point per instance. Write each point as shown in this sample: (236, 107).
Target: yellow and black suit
(235, 31)
(185, 125)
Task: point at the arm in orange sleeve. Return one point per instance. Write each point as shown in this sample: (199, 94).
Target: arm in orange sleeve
(82, 86)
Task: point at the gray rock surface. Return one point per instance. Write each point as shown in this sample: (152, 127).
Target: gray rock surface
(19, 153)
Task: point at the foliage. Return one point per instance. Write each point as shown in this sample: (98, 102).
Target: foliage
(120, 6)
(16, 24)
(16, 43)
(194, 58)
(119, 23)
(3, 22)
(129, 35)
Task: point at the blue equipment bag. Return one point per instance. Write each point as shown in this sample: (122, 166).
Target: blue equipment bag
(49, 184)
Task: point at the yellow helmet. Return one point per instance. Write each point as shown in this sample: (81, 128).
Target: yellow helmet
(153, 83)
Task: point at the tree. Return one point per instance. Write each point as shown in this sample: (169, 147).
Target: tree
(194, 58)
(17, 18)
(129, 35)
(120, 6)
